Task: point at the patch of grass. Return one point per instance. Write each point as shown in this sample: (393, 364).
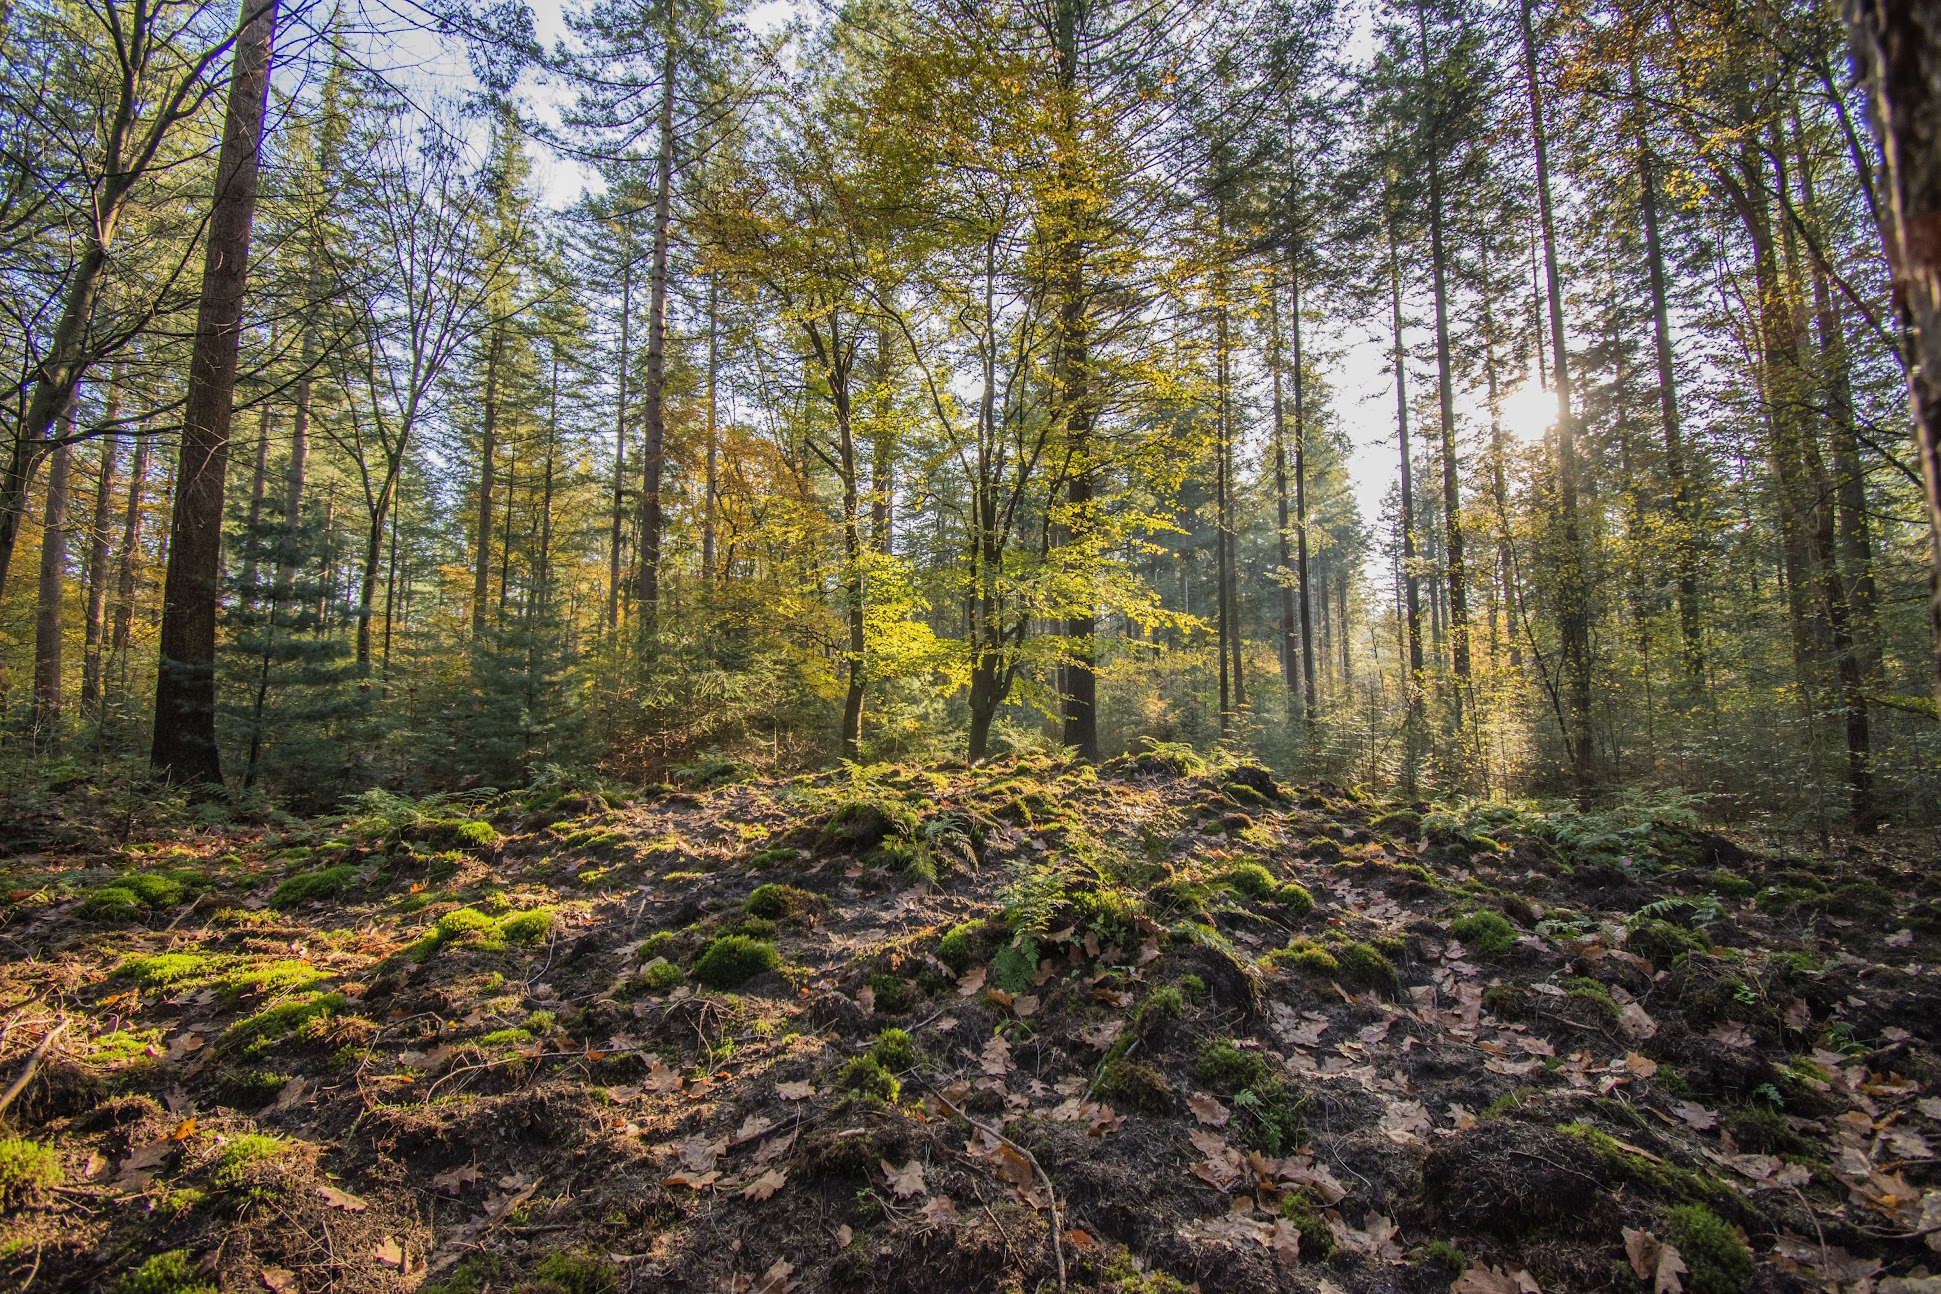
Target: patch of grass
(1440, 1256)
(574, 1273)
(1227, 1068)
(1661, 943)
(866, 1076)
(1137, 1085)
(1507, 1001)
(892, 992)
(28, 1170)
(733, 960)
(1398, 822)
(783, 902)
(513, 1037)
(281, 976)
(326, 884)
(893, 1050)
(1716, 1259)
(1317, 1239)
(245, 1167)
(1250, 879)
(1306, 955)
(958, 948)
(1730, 884)
(1595, 997)
(528, 928)
(266, 1028)
(173, 1272)
(1178, 897)
(159, 970)
(1487, 935)
(661, 976)
(1368, 965)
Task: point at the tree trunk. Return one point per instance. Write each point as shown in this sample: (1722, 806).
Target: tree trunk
(1897, 54)
(713, 483)
(1455, 571)
(53, 587)
(131, 538)
(1072, 382)
(184, 749)
(1222, 468)
(1685, 537)
(1311, 693)
(620, 445)
(488, 454)
(1289, 647)
(655, 423)
(1573, 596)
(882, 467)
(97, 587)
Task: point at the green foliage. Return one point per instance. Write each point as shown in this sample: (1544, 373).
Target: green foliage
(958, 948)
(1595, 997)
(1367, 965)
(892, 992)
(575, 1273)
(240, 1165)
(172, 1272)
(1317, 1237)
(1441, 1256)
(1015, 964)
(28, 1170)
(1486, 935)
(326, 884)
(1661, 943)
(866, 1076)
(733, 960)
(1398, 822)
(1227, 1068)
(160, 970)
(1137, 1085)
(1250, 879)
(893, 1050)
(255, 1033)
(783, 902)
(529, 927)
(660, 976)
(1716, 1259)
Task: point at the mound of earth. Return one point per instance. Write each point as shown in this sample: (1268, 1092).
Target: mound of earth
(1145, 1027)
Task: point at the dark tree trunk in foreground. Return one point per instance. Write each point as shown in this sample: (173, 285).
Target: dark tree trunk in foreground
(654, 424)
(1897, 52)
(184, 750)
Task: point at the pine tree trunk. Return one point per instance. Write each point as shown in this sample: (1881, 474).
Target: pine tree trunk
(620, 445)
(184, 748)
(488, 455)
(1685, 537)
(1289, 648)
(1222, 486)
(131, 539)
(655, 422)
(1311, 694)
(1455, 571)
(258, 482)
(1897, 52)
(1573, 593)
(95, 626)
(1073, 379)
(50, 603)
(712, 484)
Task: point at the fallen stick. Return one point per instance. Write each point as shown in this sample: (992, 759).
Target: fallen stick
(33, 1067)
(1051, 1192)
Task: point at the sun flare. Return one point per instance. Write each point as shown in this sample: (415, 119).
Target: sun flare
(1528, 411)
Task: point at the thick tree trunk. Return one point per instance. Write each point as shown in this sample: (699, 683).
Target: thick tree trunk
(1897, 53)
(882, 463)
(52, 598)
(655, 422)
(488, 455)
(1312, 693)
(1573, 593)
(1290, 647)
(184, 749)
(1073, 380)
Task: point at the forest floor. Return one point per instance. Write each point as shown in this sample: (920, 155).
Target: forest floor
(1035, 1026)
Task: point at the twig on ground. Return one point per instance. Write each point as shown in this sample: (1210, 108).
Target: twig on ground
(33, 1067)
(1051, 1192)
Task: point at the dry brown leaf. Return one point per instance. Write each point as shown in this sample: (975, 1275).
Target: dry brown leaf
(1696, 1116)
(698, 1154)
(183, 1130)
(1025, 1006)
(1654, 1260)
(1100, 1037)
(1286, 1242)
(939, 1211)
(693, 1181)
(454, 1180)
(1634, 1020)
(972, 982)
(344, 1200)
(996, 1057)
(1208, 1110)
(660, 1079)
(1642, 1066)
(1493, 1280)
(389, 1252)
(905, 1181)
(279, 1280)
(774, 1148)
(799, 1091)
(752, 1127)
(776, 1279)
(765, 1185)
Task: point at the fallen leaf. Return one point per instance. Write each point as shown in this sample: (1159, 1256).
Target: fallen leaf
(1208, 1110)
(457, 1179)
(183, 1130)
(765, 1185)
(798, 1091)
(279, 1280)
(693, 1181)
(844, 1234)
(774, 1148)
(1696, 1116)
(940, 1211)
(752, 1127)
(996, 1057)
(1100, 1037)
(776, 1279)
(389, 1252)
(1634, 1020)
(1654, 1260)
(866, 999)
(1493, 1280)
(344, 1200)
(905, 1181)
(660, 1078)
(698, 1154)
(1640, 1065)
(972, 982)
(1025, 1006)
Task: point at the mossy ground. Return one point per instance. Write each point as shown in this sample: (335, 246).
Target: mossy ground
(556, 1043)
